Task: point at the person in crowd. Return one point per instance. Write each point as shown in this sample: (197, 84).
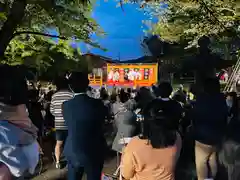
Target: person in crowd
(113, 98)
(63, 94)
(34, 109)
(209, 122)
(154, 155)
(178, 98)
(133, 94)
(49, 118)
(232, 104)
(107, 103)
(90, 91)
(129, 90)
(125, 120)
(181, 95)
(18, 138)
(229, 154)
(172, 108)
(49, 94)
(154, 89)
(143, 97)
(97, 94)
(85, 145)
(103, 93)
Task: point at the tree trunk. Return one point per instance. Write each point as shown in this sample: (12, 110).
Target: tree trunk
(13, 20)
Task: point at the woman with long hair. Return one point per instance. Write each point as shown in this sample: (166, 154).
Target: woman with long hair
(154, 155)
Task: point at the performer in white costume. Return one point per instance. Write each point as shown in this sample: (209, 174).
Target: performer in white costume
(116, 76)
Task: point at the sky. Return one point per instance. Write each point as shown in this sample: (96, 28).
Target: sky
(124, 30)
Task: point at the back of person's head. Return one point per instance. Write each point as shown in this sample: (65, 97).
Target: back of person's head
(177, 98)
(129, 90)
(13, 89)
(211, 86)
(89, 88)
(79, 82)
(144, 97)
(32, 95)
(180, 87)
(121, 90)
(103, 94)
(123, 96)
(159, 130)
(165, 89)
(204, 42)
(161, 137)
(61, 83)
(103, 90)
(113, 97)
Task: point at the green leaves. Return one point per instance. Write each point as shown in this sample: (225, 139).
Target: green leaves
(41, 53)
(191, 19)
(29, 45)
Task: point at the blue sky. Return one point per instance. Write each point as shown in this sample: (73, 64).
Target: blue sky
(123, 28)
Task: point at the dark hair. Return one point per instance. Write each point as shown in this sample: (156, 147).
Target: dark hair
(158, 134)
(204, 41)
(177, 97)
(232, 94)
(32, 95)
(123, 96)
(129, 90)
(154, 89)
(61, 83)
(79, 81)
(159, 126)
(89, 88)
(113, 98)
(13, 88)
(211, 85)
(103, 93)
(160, 137)
(165, 89)
(143, 97)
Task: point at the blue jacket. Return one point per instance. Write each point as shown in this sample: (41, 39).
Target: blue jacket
(210, 118)
(84, 117)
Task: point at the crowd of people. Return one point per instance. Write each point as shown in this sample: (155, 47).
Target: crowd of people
(151, 128)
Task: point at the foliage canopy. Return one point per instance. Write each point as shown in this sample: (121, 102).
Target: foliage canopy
(188, 20)
(24, 24)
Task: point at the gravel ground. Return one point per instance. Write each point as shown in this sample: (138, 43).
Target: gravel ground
(51, 173)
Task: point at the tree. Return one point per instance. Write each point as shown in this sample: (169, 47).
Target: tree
(188, 20)
(45, 56)
(70, 18)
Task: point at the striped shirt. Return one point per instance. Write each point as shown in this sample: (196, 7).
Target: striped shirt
(56, 107)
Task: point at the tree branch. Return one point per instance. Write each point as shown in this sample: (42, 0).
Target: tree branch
(39, 34)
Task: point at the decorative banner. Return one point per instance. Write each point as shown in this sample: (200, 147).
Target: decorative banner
(132, 74)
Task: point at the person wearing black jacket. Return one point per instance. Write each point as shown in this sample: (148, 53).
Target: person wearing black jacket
(209, 116)
(85, 145)
(172, 110)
